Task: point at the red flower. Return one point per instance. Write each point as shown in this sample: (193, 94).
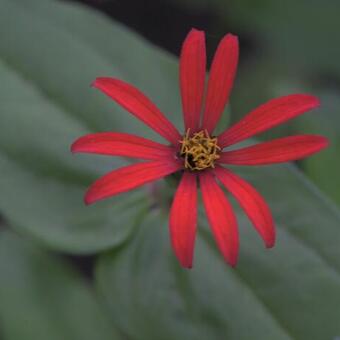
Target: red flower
(197, 153)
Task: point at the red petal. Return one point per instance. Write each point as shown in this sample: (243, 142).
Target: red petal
(122, 144)
(183, 219)
(128, 178)
(221, 79)
(266, 116)
(253, 204)
(139, 105)
(276, 151)
(192, 77)
(221, 217)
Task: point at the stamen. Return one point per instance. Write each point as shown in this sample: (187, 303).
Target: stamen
(199, 151)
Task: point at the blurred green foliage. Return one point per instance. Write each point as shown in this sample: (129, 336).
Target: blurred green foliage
(43, 297)
(276, 295)
(49, 53)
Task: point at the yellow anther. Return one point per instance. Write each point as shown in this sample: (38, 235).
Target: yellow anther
(199, 151)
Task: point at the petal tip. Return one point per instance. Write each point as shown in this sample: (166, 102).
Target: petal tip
(195, 35)
(94, 83)
(186, 262)
(98, 82)
(231, 36)
(269, 237)
(231, 259)
(89, 198)
(232, 263)
(73, 147)
(314, 102)
(270, 243)
(325, 142)
(231, 40)
(321, 143)
(194, 30)
(186, 266)
(77, 145)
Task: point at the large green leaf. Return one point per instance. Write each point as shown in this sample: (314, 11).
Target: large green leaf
(42, 184)
(150, 297)
(289, 292)
(54, 212)
(44, 298)
(49, 54)
(72, 46)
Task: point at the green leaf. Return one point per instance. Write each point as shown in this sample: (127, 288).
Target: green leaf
(42, 297)
(73, 45)
(289, 292)
(54, 212)
(50, 52)
(162, 301)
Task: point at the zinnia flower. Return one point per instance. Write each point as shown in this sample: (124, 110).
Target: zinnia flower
(197, 153)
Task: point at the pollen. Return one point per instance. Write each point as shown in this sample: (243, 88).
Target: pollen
(199, 151)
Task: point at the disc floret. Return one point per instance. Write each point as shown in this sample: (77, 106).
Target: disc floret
(199, 151)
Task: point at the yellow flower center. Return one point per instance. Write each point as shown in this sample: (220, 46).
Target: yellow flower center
(199, 151)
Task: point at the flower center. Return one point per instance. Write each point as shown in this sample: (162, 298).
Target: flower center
(199, 151)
